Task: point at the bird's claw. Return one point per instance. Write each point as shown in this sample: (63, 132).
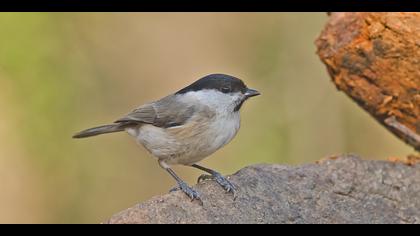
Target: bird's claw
(222, 181)
(190, 192)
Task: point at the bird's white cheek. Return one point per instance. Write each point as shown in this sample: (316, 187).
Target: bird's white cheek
(215, 100)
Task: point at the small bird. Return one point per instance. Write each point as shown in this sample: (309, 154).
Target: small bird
(187, 126)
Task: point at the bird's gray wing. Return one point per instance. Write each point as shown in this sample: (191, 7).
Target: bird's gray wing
(167, 112)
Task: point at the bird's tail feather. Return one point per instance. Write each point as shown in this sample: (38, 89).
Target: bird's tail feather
(104, 129)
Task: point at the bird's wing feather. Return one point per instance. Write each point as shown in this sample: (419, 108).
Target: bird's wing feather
(167, 112)
(144, 114)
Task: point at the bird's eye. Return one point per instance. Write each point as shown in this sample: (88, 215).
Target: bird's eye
(225, 89)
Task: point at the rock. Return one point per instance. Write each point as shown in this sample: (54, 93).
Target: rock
(375, 59)
(343, 189)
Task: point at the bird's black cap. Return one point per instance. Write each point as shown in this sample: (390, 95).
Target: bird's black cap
(221, 82)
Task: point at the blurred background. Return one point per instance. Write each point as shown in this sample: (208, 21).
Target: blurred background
(64, 72)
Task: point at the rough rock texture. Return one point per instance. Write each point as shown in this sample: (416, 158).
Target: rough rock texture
(375, 59)
(344, 190)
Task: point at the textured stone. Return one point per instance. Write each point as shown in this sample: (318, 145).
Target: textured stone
(375, 59)
(339, 190)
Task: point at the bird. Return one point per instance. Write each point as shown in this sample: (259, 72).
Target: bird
(187, 126)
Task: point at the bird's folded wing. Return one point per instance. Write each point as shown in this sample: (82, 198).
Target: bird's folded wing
(161, 114)
(144, 114)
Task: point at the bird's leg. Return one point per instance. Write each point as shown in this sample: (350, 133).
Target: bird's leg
(190, 192)
(222, 181)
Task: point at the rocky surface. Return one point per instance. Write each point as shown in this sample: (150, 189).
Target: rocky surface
(374, 58)
(342, 189)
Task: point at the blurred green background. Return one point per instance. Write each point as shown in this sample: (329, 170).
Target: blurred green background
(64, 72)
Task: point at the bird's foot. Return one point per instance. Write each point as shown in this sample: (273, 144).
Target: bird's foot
(190, 192)
(222, 181)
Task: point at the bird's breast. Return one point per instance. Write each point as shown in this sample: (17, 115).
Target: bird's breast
(190, 142)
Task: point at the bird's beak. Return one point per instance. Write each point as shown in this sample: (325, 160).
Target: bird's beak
(251, 93)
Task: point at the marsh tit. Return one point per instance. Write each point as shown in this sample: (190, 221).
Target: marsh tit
(187, 126)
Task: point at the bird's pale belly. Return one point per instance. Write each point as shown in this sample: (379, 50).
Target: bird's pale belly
(186, 145)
